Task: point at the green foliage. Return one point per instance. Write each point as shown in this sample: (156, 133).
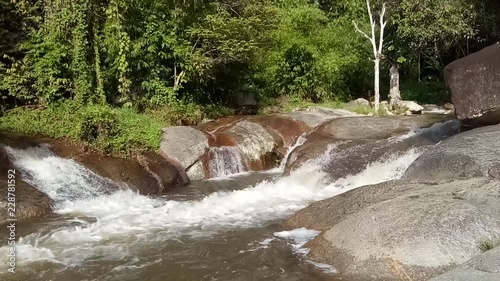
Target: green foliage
(487, 245)
(425, 92)
(115, 131)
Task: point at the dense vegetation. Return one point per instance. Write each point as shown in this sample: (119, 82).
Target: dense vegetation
(94, 70)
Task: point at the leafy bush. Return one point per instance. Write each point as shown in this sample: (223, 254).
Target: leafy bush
(114, 131)
(424, 92)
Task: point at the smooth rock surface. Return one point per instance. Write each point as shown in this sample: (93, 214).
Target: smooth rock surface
(471, 153)
(403, 230)
(350, 156)
(484, 267)
(184, 144)
(314, 116)
(474, 84)
(412, 106)
(256, 143)
(288, 129)
(359, 102)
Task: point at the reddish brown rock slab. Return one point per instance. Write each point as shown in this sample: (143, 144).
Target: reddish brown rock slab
(288, 129)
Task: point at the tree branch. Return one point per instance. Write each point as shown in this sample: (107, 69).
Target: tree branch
(382, 27)
(361, 31)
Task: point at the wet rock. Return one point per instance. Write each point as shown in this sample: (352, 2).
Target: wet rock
(185, 145)
(258, 145)
(474, 84)
(30, 203)
(472, 153)
(288, 129)
(314, 116)
(148, 175)
(350, 156)
(402, 230)
(484, 267)
(197, 171)
(374, 127)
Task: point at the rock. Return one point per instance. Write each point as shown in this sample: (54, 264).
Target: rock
(359, 102)
(258, 145)
(472, 153)
(484, 267)
(374, 128)
(347, 157)
(288, 129)
(314, 116)
(449, 106)
(434, 109)
(184, 144)
(403, 230)
(412, 106)
(30, 203)
(370, 114)
(474, 84)
(408, 113)
(196, 172)
(147, 176)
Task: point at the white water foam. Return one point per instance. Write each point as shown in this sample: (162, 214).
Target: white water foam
(63, 180)
(128, 216)
(226, 161)
(300, 141)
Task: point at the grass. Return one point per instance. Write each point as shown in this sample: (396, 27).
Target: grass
(113, 131)
(487, 245)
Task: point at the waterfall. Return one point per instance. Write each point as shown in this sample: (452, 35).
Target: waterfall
(300, 141)
(101, 220)
(225, 161)
(63, 180)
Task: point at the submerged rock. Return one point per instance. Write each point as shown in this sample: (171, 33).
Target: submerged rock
(474, 84)
(472, 153)
(402, 230)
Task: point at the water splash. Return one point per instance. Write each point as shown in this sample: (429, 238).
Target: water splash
(226, 161)
(128, 216)
(300, 141)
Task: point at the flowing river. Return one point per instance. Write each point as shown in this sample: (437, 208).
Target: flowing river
(221, 229)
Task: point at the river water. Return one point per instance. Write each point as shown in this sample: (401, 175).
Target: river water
(220, 229)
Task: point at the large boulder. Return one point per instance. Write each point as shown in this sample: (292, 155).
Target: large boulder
(185, 145)
(316, 115)
(472, 153)
(258, 145)
(474, 84)
(30, 203)
(403, 230)
(351, 146)
(484, 267)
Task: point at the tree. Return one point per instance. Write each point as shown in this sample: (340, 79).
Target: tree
(377, 51)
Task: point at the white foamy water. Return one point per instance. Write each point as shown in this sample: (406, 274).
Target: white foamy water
(300, 141)
(226, 161)
(63, 180)
(125, 217)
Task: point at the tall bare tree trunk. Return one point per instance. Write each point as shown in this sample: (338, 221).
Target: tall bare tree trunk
(377, 51)
(394, 92)
(376, 102)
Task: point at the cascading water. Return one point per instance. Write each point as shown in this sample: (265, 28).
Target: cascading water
(225, 161)
(300, 141)
(118, 227)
